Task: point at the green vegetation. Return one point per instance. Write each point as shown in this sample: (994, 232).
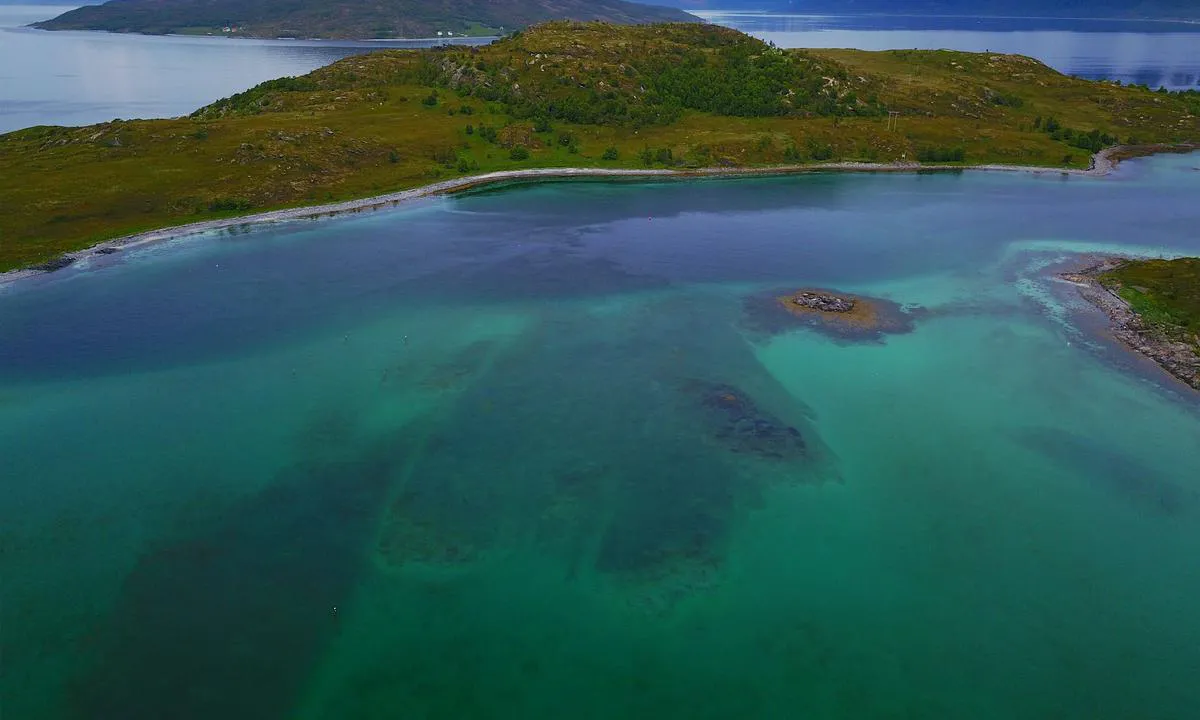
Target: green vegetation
(1163, 292)
(558, 95)
(975, 8)
(348, 18)
(646, 76)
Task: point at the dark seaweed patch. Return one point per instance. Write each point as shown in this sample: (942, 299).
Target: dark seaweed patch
(1112, 471)
(741, 426)
(228, 623)
(436, 520)
(673, 509)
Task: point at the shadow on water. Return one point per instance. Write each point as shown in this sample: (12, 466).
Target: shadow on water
(1112, 471)
(228, 623)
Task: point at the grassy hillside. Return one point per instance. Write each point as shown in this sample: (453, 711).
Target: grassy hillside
(557, 95)
(1164, 292)
(348, 18)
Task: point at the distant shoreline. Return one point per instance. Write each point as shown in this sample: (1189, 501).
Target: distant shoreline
(1103, 163)
(707, 14)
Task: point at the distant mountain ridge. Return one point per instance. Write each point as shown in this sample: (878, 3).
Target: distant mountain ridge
(1149, 9)
(349, 18)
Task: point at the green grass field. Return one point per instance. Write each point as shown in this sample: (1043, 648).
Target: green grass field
(555, 96)
(1163, 292)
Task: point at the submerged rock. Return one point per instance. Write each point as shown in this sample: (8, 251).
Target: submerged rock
(737, 422)
(837, 315)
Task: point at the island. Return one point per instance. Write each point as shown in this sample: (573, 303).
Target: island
(557, 100)
(1153, 306)
(354, 19)
(967, 10)
(843, 317)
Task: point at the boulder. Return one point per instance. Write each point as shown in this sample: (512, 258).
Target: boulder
(823, 302)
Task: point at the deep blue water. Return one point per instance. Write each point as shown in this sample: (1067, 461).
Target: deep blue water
(552, 451)
(77, 78)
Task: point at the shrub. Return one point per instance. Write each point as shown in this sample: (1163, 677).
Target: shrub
(229, 204)
(565, 139)
(610, 153)
(820, 151)
(431, 99)
(447, 156)
(470, 129)
(941, 154)
(518, 153)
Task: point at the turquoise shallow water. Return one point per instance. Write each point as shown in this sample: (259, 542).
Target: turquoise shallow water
(545, 452)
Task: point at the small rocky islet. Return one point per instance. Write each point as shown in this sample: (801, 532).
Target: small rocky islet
(841, 316)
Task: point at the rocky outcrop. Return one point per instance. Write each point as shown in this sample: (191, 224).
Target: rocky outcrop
(57, 263)
(824, 302)
(1153, 340)
(840, 316)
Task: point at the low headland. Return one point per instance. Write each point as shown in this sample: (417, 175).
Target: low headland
(1153, 308)
(560, 100)
(349, 19)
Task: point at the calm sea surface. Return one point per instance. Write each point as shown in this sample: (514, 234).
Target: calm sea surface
(551, 451)
(76, 78)
(1158, 54)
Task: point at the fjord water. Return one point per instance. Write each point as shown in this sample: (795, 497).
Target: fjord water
(77, 78)
(476, 458)
(1154, 53)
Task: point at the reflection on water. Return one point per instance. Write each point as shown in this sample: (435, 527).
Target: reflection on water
(78, 78)
(1151, 53)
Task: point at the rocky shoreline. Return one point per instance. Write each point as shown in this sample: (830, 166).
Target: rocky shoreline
(1103, 163)
(1180, 359)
